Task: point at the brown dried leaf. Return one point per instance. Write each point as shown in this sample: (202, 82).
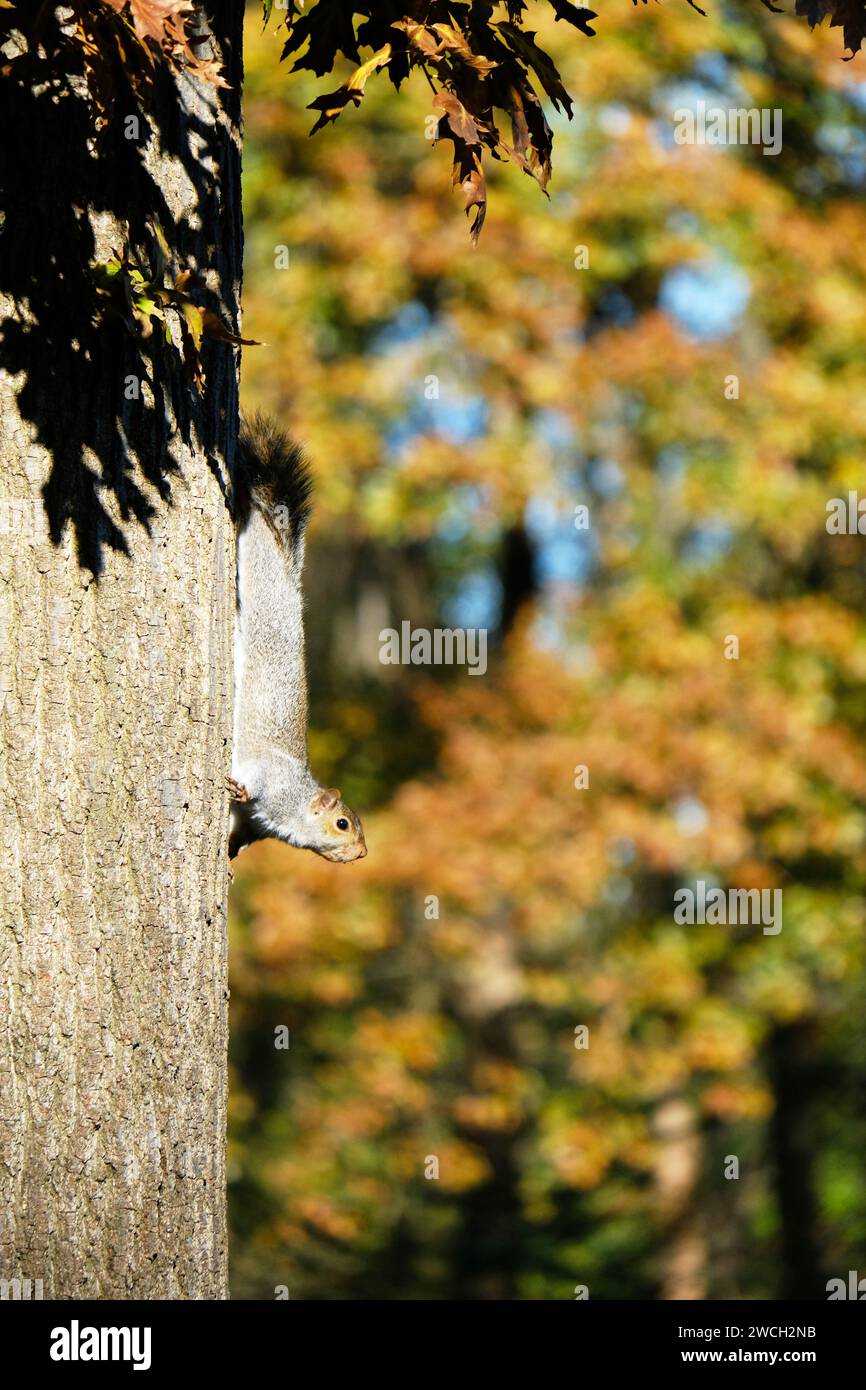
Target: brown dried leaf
(527, 49)
(474, 186)
(452, 40)
(847, 15)
(334, 103)
(460, 123)
(213, 327)
(163, 24)
(153, 18)
(419, 37)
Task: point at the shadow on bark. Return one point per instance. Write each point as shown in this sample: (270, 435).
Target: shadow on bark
(75, 362)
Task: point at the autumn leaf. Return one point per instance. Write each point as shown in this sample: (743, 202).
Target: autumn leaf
(524, 44)
(575, 14)
(459, 121)
(152, 18)
(139, 295)
(419, 36)
(352, 90)
(328, 29)
(162, 26)
(213, 327)
(531, 135)
(849, 15)
(453, 42)
(188, 280)
(473, 66)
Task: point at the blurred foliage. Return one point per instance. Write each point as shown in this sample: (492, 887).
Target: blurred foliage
(415, 1036)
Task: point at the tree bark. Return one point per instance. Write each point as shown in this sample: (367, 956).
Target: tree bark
(116, 614)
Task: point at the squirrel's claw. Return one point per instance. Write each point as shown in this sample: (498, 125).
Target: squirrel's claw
(237, 790)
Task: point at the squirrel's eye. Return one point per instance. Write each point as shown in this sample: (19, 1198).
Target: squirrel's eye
(342, 823)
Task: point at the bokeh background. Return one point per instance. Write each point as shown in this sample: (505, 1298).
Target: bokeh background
(452, 1036)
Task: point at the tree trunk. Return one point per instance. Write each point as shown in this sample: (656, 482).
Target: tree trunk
(792, 1138)
(517, 573)
(677, 1175)
(116, 613)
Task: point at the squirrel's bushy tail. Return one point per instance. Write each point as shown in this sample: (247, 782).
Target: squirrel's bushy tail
(273, 476)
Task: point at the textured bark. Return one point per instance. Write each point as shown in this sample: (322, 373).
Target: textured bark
(116, 612)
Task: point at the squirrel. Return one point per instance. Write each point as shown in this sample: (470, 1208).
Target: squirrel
(274, 794)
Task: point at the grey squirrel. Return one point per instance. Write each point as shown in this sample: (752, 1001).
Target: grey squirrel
(274, 793)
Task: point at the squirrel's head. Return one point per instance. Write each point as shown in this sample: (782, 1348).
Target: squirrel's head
(334, 831)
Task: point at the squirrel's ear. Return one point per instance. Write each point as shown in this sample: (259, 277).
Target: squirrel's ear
(326, 799)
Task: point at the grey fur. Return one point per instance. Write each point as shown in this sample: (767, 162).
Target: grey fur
(270, 723)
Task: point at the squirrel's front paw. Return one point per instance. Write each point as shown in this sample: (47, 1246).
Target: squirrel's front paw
(237, 789)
